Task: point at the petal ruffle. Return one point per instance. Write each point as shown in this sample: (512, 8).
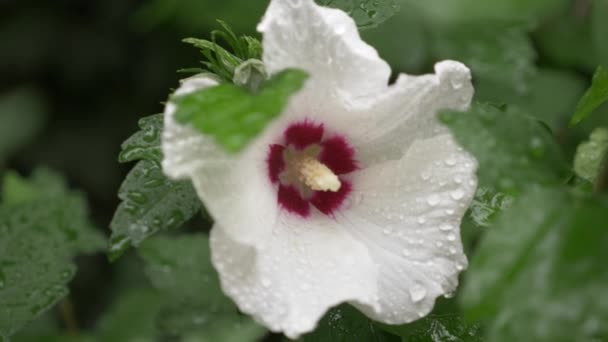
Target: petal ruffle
(324, 42)
(289, 281)
(390, 123)
(408, 213)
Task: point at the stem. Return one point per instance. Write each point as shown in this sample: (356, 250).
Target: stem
(67, 316)
(602, 179)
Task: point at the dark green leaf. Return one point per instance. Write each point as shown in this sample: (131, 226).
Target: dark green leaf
(150, 202)
(132, 317)
(344, 324)
(594, 97)
(539, 273)
(232, 115)
(513, 149)
(22, 115)
(366, 13)
(439, 328)
(145, 144)
(181, 269)
(40, 237)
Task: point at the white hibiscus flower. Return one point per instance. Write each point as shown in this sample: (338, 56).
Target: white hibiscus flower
(354, 194)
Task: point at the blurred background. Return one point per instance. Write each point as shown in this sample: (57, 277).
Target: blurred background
(75, 76)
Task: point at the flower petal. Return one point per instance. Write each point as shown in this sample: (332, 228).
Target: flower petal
(408, 111)
(228, 184)
(408, 214)
(324, 42)
(290, 280)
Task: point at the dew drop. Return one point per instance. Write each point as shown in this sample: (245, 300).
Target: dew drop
(446, 227)
(417, 293)
(433, 200)
(457, 194)
(451, 237)
(266, 282)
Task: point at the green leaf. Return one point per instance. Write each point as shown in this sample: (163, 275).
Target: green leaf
(180, 268)
(513, 149)
(43, 183)
(344, 324)
(539, 273)
(591, 155)
(22, 116)
(221, 62)
(41, 233)
(132, 317)
(435, 328)
(150, 203)
(594, 97)
(366, 13)
(144, 144)
(232, 115)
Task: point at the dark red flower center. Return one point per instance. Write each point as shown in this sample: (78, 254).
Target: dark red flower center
(304, 146)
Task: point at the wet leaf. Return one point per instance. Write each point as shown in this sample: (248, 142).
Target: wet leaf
(150, 203)
(41, 233)
(439, 328)
(539, 273)
(144, 144)
(366, 13)
(344, 324)
(180, 268)
(513, 149)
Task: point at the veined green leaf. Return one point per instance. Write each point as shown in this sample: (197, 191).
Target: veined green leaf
(513, 149)
(41, 232)
(232, 115)
(150, 201)
(539, 273)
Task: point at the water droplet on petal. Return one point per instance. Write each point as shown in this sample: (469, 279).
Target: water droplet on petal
(457, 194)
(417, 293)
(446, 227)
(433, 200)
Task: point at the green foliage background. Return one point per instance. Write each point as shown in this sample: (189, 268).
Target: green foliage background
(78, 77)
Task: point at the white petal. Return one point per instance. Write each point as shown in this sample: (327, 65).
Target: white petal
(324, 42)
(236, 189)
(408, 214)
(292, 277)
(388, 124)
